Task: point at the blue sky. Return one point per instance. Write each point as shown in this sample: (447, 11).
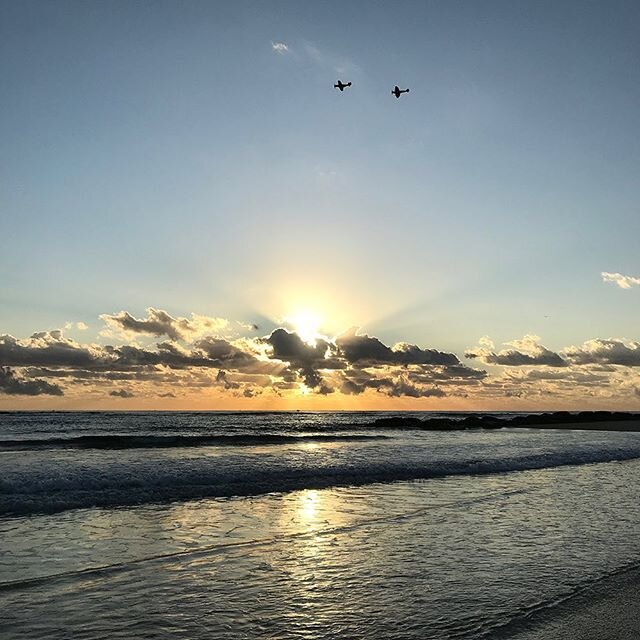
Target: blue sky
(167, 154)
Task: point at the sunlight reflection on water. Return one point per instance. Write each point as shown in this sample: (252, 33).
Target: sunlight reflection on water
(431, 559)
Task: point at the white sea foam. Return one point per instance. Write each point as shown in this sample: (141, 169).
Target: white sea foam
(52, 481)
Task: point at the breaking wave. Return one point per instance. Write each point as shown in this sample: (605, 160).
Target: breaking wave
(169, 441)
(67, 484)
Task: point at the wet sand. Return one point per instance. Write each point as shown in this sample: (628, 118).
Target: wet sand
(609, 610)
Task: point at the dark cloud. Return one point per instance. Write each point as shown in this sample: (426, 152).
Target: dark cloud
(357, 352)
(605, 352)
(456, 373)
(289, 347)
(391, 386)
(52, 349)
(221, 377)
(513, 358)
(157, 323)
(366, 350)
(351, 364)
(122, 393)
(15, 386)
(225, 354)
(160, 323)
(47, 348)
(525, 352)
(351, 388)
(403, 387)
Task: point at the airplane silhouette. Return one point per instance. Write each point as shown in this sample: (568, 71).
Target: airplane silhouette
(341, 85)
(397, 91)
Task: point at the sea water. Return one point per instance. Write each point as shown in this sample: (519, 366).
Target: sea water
(301, 525)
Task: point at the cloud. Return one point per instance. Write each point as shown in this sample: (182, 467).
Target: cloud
(331, 60)
(279, 47)
(122, 393)
(363, 349)
(80, 326)
(394, 387)
(524, 352)
(53, 349)
(225, 382)
(225, 354)
(289, 347)
(48, 348)
(605, 352)
(159, 323)
(624, 282)
(183, 361)
(315, 363)
(13, 385)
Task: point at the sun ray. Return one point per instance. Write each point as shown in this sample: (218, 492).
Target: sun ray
(307, 324)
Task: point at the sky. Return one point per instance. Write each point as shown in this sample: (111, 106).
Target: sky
(192, 216)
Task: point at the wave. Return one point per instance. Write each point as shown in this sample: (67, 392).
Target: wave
(220, 546)
(50, 488)
(163, 442)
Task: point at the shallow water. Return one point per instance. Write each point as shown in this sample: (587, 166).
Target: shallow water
(457, 556)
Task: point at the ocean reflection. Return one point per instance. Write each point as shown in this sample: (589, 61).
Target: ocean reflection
(309, 506)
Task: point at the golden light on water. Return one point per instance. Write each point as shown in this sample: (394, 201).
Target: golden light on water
(307, 510)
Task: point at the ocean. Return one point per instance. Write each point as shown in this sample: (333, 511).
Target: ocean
(302, 525)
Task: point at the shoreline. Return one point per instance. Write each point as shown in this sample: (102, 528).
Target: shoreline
(605, 610)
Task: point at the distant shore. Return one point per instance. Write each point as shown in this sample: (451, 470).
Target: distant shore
(588, 420)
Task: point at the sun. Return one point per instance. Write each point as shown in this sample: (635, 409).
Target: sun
(306, 324)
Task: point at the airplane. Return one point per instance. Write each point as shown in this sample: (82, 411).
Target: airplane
(397, 91)
(341, 85)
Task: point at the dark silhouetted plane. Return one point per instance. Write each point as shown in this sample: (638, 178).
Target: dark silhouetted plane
(397, 91)
(341, 85)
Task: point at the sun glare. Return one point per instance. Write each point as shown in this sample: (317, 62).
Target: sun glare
(306, 324)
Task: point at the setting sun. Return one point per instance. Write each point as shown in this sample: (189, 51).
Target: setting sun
(306, 324)
(306, 307)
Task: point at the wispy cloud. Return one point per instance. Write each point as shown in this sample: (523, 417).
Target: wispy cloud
(80, 326)
(330, 60)
(624, 282)
(279, 47)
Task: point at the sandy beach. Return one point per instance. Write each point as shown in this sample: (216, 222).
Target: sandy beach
(607, 610)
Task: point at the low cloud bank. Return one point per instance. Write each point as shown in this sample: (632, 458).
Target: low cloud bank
(201, 354)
